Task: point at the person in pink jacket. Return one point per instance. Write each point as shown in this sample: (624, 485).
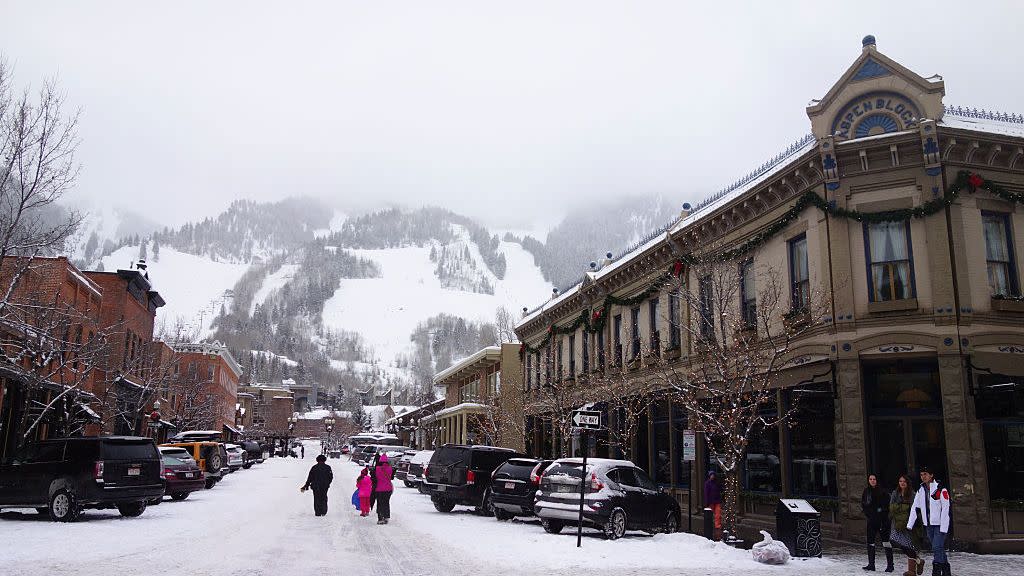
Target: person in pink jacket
(383, 472)
(365, 486)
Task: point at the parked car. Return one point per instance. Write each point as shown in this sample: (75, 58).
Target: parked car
(345, 449)
(63, 476)
(414, 475)
(211, 456)
(619, 497)
(514, 485)
(394, 454)
(253, 452)
(236, 457)
(196, 436)
(402, 466)
(181, 472)
(461, 475)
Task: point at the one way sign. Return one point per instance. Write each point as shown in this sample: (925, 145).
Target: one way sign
(586, 419)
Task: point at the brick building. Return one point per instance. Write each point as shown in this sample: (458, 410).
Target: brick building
(204, 386)
(126, 385)
(49, 324)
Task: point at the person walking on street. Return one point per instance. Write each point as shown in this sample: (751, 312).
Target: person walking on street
(319, 479)
(931, 505)
(302, 447)
(875, 504)
(900, 502)
(383, 473)
(713, 498)
(365, 487)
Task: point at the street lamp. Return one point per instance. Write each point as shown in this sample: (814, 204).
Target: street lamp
(329, 427)
(288, 439)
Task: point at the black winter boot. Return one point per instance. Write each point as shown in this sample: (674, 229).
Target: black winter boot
(945, 569)
(871, 559)
(888, 559)
(937, 569)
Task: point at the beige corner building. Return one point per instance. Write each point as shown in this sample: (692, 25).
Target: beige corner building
(478, 409)
(920, 358)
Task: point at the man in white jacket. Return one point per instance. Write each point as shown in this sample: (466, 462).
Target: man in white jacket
(931, 504)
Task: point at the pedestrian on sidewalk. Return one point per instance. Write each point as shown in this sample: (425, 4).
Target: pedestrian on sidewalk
(302, 447)
(384, 473)
(365, 486)
(908, 541)
(319, 479)
(932, 506)
(874, 502)
(713, 498)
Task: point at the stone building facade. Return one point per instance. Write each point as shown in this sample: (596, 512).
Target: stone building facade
(906, 216)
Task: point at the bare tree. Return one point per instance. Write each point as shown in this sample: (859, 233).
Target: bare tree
(740, 344)
(37, 147)
(505, 325)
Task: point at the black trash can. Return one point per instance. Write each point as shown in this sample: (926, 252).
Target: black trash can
(798, 526)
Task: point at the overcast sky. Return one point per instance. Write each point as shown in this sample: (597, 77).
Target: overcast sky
(512, 112)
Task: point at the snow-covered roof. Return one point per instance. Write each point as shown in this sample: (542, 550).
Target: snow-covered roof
(983, 121)
(700, 211)
(466, 362)
(465, 406)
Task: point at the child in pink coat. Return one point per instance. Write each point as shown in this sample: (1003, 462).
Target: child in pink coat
(365, 486)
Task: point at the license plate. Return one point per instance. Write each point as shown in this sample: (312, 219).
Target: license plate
(134, 471)
(510, 486)
(189, 475)
(441, 487)
(565, 488)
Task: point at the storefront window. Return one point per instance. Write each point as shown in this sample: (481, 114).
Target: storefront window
(662, 444)
(902, 385)
(812, 442)
(680, 422)
(1004, 452)
(762, 471)
(999, 404)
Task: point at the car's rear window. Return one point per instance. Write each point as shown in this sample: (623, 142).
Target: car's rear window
(517, 467)
(177, 458)
(127, 450)
(564, 469)
(447, 456)
(422, 457)
(490, 459)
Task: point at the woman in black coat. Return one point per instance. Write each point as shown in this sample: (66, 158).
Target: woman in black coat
(875, 504)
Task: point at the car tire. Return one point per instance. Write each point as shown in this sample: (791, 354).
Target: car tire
(503, 515)
(214, 463)
(408, 484)
(671, 524)
(179, 496)
(131, 509)
(552, 526)
(246, 466)
(64, 506)
(155, 501)
(486, 507)
(443, 504)
(615, 527)
(210, 483)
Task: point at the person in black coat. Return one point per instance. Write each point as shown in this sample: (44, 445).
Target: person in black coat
(875, 504)
(319, 479)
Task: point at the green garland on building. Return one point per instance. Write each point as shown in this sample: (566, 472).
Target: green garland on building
(965, 180)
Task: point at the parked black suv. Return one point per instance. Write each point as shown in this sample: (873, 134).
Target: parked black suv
(514, 486)
(63, 476)
(461, 475)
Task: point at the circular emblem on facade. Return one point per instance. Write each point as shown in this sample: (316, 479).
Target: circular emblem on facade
(948, 341)
(847, 347)
(875, 113)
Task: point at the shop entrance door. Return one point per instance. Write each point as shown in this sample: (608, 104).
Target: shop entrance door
(903, 445)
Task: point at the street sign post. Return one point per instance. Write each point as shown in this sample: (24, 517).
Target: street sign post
(689, 455)
(584, 421)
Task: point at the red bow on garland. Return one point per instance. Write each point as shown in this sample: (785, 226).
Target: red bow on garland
(975, 181)
(597, 314)
(677, 268)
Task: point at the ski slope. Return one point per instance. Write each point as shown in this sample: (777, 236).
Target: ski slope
(386, 310)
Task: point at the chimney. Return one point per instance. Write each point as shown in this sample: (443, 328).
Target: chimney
(685, 211)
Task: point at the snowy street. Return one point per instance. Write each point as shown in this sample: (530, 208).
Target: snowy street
(257, 522)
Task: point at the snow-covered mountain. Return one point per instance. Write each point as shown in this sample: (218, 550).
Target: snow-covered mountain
(387, 297)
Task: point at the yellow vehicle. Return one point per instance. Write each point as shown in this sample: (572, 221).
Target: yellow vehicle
(211, 456)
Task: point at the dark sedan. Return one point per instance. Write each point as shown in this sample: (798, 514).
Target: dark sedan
(182, 473)
(619, 496)
(514, 485)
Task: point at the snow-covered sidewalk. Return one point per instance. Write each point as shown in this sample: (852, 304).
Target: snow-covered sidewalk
(256, 522)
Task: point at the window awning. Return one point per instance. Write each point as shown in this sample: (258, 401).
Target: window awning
(232, 429)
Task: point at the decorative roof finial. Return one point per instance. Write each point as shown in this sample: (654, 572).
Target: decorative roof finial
(868, 42)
